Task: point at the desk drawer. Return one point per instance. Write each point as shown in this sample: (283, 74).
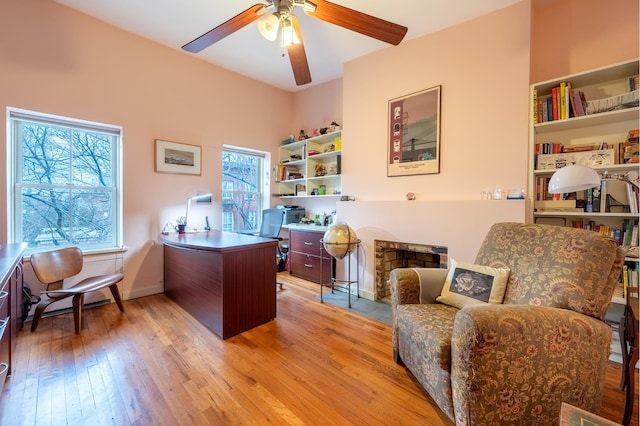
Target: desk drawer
(305, 242)
(308, 267)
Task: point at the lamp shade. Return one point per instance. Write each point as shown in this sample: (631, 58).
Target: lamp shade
(573, 178)
(268, 27)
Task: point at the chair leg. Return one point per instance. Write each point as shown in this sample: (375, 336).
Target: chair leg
(116, 296)
(42, 305)
(78, 301)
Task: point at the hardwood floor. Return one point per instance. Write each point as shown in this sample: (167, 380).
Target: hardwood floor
(156, 365)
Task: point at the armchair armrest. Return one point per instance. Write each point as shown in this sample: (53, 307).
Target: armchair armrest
(416, 285)
(519, 363)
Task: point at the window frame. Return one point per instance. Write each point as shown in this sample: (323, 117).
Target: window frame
(264, 183)
(14, 164)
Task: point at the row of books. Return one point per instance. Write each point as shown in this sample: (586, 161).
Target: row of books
(613, 196)
(627, 235)
(549, 148)
(563, 103)
(629, 277)
(288, 173)
(626, 152)
(631, 153)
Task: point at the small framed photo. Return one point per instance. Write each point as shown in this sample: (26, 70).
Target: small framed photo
(180, 158)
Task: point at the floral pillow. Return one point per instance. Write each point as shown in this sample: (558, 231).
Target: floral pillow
(468, 284)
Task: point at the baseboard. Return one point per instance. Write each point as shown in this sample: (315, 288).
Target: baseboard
(62, 311)
(144, 291)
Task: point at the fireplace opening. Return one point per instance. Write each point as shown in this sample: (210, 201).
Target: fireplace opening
(393, 254)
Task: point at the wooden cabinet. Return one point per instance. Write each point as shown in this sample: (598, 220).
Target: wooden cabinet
(305, 255)
(311, 168)
(10, 303)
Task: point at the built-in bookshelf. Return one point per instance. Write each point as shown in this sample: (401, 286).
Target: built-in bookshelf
(592, 119)
(311, 167)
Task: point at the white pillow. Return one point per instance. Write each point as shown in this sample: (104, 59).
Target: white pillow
(468, 284)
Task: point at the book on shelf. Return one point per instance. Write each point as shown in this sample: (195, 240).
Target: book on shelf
(627, 235)
(286, 172)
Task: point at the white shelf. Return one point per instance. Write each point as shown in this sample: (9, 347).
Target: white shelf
(613, 168)
(329, 157)
(600, 119)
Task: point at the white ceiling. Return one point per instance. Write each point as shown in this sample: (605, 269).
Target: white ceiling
(174, 23)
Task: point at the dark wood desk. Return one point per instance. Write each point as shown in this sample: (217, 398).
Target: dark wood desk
(227, 281)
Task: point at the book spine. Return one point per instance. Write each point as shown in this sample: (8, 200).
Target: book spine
(554, 97)
(562, 100)
(534, 106)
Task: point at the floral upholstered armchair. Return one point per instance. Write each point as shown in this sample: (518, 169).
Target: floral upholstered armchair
(515, 334)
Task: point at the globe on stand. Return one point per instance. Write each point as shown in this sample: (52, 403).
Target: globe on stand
(339, 240)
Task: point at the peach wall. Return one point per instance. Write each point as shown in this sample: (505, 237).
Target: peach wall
(58, 61)
(317, 106)
(482, 66)
(571, 36)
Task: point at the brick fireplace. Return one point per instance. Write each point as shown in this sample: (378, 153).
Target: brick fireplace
(394, 254)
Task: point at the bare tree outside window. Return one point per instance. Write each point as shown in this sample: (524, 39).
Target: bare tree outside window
(65, 184)
(242, 195)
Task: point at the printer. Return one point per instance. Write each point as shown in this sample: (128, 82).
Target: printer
(292, 214)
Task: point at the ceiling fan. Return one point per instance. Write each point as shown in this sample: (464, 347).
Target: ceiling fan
(284, 23)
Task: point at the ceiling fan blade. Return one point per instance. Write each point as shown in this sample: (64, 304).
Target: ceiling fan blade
(298, 57)
(227, 28)
(359, 22)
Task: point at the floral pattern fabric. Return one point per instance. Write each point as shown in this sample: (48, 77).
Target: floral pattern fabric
(517, 362)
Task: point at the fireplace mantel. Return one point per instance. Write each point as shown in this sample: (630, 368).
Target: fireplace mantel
(459, 225)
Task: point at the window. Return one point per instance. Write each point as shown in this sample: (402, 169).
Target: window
(245, 189)
(65, 182)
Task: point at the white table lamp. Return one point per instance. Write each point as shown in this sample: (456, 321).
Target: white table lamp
(573, 178)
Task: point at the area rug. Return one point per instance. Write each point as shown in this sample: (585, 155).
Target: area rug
(378, 311)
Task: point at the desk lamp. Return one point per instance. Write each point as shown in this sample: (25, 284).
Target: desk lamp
(573, 178)
(198, 197)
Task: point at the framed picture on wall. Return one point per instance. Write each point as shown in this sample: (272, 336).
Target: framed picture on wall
(173, 157)
(414, 134)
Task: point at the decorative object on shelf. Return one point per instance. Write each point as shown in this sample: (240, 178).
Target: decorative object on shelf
(339, 240)
(333, 127)
(414, 134)
(172, 157)
(302, 136)
(411, 196)
(573, 178)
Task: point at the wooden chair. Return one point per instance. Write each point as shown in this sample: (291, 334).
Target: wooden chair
(53, 267)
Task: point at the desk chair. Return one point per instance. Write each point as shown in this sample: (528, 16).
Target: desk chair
(270, 228)
(53, 267)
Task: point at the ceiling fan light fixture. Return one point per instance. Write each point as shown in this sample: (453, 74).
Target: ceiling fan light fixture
(289, 36)
(268, 27)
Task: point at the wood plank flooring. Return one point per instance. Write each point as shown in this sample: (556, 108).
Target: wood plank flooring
(155, 365)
